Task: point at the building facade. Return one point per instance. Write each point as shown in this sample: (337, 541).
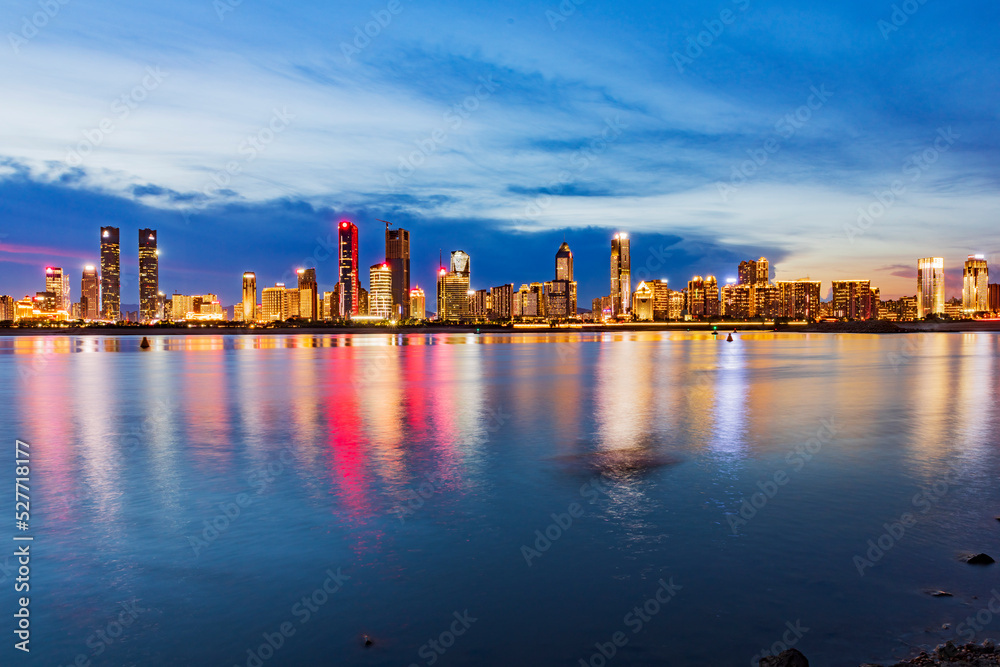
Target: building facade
(621, 276)
(380, 293)
(90, 289)
(976, 285)
(349, 280)
(418, 304)
(111, 296)
(149, 275)
(930, 286)
(397, 256)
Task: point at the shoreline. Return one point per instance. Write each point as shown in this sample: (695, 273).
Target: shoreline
(872, 328)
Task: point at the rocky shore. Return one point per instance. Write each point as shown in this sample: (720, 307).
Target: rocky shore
(946, 655)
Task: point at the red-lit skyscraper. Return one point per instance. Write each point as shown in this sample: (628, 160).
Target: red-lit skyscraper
(347, 232)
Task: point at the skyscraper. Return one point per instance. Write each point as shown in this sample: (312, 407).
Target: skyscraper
(976, 285)
(274, 303)
(621, 276)
(755, 273)
(149, 275)
(564, 262)
(380, 292)
(349, 281)
(249, 297)
(90, 307)
(418, 304)
(453, 288)
(397, 256)
(308, 295)
(930, 286)
(855, 300)
(111, 296)
(58, 283)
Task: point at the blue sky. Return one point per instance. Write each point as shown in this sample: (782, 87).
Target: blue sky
(711, 131)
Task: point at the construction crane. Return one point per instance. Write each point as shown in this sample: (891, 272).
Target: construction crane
(387, 223)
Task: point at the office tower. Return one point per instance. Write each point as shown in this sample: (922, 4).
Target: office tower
(855, 300)
(330, 305)
(800, 299)
(930, 286)
(621, 276)
(58, 283)
(453, 288)
(995, 298)
(7, 308)
(249, 297)
(755, 273)
(349, 280)
(642, 302)
(661, 300)
(480, 303)
(90, 307)
(564, 262)
(500, 302)
(418, 304)
(308, 295)
(381, 292)
(111, 297)
(149, 275)
(274, 303)
(976, 285)
(292, 298)
(397, 256)
(703, 297)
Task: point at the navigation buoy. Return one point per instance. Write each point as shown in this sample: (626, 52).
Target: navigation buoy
(368, 641)
(145, 343)
(730, 338)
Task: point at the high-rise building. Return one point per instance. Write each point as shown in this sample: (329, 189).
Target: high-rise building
(995, 298)
(930, 286)
(642, 302)
(855, 300)
(330, 305)
(308, 295)
(661, 301)
(397, 256)
(621, 276)
(7, 309)
(453, 288)
(292, 294)
(560, 294)
(480, 304)
(755, 272)
(501, 297)
(564, 262)
(363, 301)
(249, 304)
(703, 297)
(418, 304)
(90, 288)
(349, 279)
(799, 299)
(57, 282)
(111, 295)
(274, 303)
(380, 294)
(149, 275)
(737, 301)
(976, 285)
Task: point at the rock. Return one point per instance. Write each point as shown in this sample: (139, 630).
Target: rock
(789, 658)
(368, 640)
(939, 594)
(979, 559)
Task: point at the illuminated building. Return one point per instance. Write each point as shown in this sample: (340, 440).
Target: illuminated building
(149, 275)
(528, 301)
(249, 306)
(766, 301)
(418, 304)
(380, 294)
(799, 299)
(46, 302)
(676, 308)
(737, 301)
(976, 285)
(90, 289)
(111, 297)
(855, 300)
(349, 280)
(363, 301)
(274, 303)
(995, 298)
(501, 299)
(8, 311)
(755, 273)
(564, 262)
(292, 297)
(308, 295)
(930, 286)
(621, 276)
(397, 256)
(25, 309)
(703, 297)
(330, 305)
(481, 304)
(57, 283)
(453, 288)
(642, 303)
(661, 299)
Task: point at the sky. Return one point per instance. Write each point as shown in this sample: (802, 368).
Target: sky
(840, 140)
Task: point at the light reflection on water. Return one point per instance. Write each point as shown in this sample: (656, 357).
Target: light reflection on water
(483, 438)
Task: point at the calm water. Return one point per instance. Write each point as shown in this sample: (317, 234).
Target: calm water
(417, 469)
